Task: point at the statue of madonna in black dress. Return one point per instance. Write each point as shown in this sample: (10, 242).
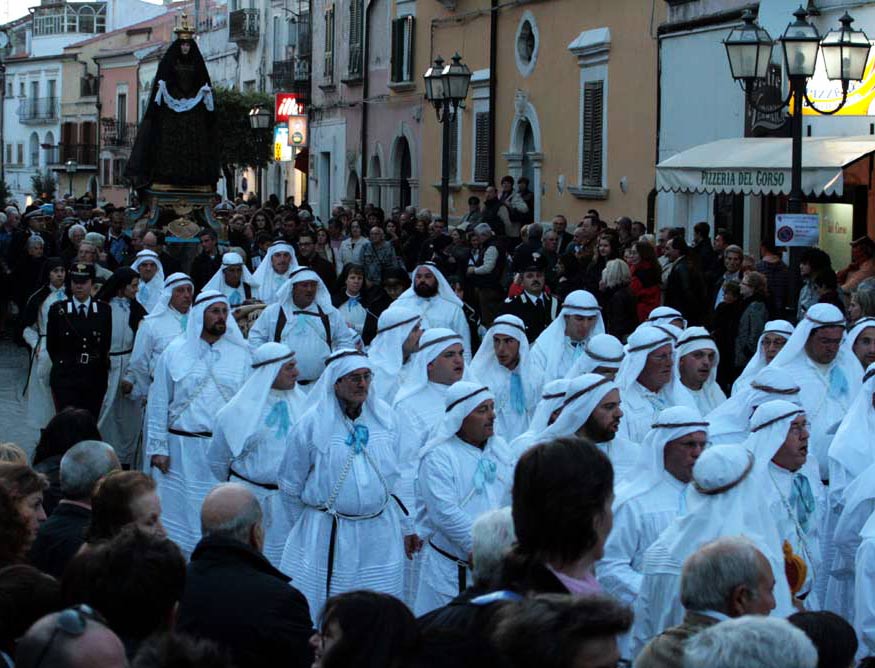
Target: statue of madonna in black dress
(176, 142)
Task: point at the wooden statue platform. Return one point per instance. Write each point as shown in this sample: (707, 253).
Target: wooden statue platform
(177, 211)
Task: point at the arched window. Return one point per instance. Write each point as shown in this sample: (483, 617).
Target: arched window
(86, 19)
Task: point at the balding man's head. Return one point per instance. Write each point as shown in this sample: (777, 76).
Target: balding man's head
(232, 511)
(72, 638)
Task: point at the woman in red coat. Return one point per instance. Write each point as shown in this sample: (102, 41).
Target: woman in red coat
(646, 276)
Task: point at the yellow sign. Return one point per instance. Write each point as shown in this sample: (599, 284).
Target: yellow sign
(281, 150)
(827, 95)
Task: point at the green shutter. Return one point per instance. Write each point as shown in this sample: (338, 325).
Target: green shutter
(593, 126)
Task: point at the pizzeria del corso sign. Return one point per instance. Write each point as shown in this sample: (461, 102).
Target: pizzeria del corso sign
(743, 178)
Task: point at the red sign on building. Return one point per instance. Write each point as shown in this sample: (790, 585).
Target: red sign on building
(286, 105)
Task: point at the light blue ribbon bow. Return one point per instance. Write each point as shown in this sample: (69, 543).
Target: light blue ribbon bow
(278, 419)
(838, 384)
(358, 438)
(183, 321)
(123, 304)
(577, 349)
(144, 292)
(484, 475)
(517, 395)
(353, 301)
(60, 296)
(802, 500)
(234, 299)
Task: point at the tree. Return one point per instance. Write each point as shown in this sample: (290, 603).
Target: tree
(43, 185)
(240, 145)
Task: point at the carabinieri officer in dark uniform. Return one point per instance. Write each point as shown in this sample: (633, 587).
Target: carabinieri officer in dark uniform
(533, 305)
(78, 338)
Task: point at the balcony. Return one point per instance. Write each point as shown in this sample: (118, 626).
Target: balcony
(291, 76)
(38, 110)
(243, 28)
(117, 135)
(84, 154)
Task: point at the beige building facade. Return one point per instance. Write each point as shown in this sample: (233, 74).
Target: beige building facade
(575, 90)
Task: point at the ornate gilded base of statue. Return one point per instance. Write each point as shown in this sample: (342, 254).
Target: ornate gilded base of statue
(177, 211)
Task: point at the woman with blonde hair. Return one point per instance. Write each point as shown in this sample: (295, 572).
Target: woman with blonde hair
(619, 304)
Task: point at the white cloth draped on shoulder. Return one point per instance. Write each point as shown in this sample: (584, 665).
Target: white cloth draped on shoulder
(337, 479)
(516, 391)
(725, 499)
(456, 483)
(758, 362)
(552, 397)
(250, 436)
(386, 350)
(553, 352)
(645, 504)
(38, 398)
(730, 422)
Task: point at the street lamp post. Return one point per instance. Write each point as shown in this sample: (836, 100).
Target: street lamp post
(72, 167)
(446, 87)
(749, 49)
(259, 119)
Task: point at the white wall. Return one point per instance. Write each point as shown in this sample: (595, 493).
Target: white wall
(327, 137)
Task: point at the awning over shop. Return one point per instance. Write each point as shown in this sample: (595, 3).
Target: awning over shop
(761, 166)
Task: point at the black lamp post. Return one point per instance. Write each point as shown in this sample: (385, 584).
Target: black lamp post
(845, 52)
(446, 87)
(259, 119)
(72, 167)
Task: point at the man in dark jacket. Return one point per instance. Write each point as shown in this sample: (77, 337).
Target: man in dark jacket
(61, 536)
(685, 287)
(233, 596)
(207, 262)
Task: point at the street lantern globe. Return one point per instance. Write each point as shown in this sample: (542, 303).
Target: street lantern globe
(749, 49)
(259, 117)
(71, 166)
(845, 51)
(457, 77)
(801, 42)
(434, 82)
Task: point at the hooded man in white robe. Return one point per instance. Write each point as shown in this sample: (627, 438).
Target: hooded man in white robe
(652, 496)
(433, 298)
(233, 280)
(465, 470)
(851, 495)
(775, 335)
(791, 482)
(591, 410)
(602, 354)
(697, 360)
(195, 377)
(563, 343)
(546, 412)
(725, 499)
(503, 363)
(151, 278)
(863, 617)
(730, 422)
(666, 315)
(392, 349)
(167, 321)
(338, 479)
(303, 318)
(828, 376)
(278, 263)
(251, 434)
(648, 382)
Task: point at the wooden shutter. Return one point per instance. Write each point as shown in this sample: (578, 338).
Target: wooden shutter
(397, 44)
(329, 45)
(593, 109)
(408, 48)
(355, 37)
(481, 147)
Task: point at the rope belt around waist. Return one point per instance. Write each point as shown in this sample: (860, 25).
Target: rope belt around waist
(190, 434)
(333, 539)
(462, 566)
(121, 352)
(263, 485)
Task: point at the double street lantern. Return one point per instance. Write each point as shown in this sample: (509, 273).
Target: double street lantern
(71, 166)
(260, 120)
(845, 52)
(446, 87)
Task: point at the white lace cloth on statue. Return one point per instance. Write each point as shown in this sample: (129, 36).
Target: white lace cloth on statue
(185, 104)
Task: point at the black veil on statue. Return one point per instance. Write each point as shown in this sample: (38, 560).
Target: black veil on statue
(177, 148)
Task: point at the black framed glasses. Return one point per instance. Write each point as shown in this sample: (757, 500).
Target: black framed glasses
(72, 622)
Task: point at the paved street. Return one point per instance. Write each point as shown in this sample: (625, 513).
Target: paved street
(13, 369)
